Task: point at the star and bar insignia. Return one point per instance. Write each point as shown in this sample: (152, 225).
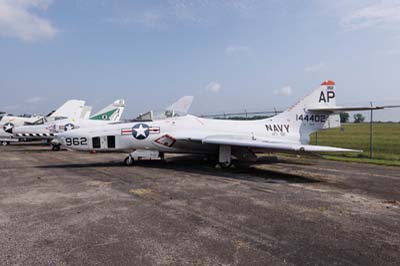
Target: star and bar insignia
(140, 131)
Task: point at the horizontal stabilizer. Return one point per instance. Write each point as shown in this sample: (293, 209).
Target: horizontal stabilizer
(340, 109)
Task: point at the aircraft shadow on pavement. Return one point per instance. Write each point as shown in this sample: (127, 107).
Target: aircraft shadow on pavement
(199, 166)
(41, 150)
(83, 165)
(242, 172)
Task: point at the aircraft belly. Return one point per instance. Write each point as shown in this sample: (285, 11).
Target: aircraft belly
(195, 147)
(153, 143)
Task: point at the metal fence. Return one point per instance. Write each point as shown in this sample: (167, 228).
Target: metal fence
(245, 114)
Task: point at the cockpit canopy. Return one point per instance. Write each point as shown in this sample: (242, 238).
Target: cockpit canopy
(157, 115)
(4, 114)
(40, 121)
(60, 118)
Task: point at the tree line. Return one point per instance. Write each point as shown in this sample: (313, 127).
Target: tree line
(358, 118)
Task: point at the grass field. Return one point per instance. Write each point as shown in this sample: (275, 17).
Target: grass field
(386, 142)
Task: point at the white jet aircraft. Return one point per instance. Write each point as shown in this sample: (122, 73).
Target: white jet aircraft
(71, 108)
(8, 122)
(286, 132)
(45, 130)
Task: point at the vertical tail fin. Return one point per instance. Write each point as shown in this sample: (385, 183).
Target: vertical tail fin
(71, 109)
(305, 122)
(86, 112)
(181, 106)
(112, 112)
(324, 96)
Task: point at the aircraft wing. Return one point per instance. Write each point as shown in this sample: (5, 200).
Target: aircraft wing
(240, 141)
(340, 109)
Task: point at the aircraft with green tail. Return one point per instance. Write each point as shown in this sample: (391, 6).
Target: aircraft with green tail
(45, 130)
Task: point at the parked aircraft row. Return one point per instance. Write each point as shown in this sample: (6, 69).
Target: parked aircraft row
(151, 135)
(71, 114)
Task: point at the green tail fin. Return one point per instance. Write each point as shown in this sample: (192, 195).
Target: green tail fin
(113, 112)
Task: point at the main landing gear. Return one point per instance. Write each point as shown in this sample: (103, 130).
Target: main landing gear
(225, 165)
(138, 155)
(224, 157)
(5, 143)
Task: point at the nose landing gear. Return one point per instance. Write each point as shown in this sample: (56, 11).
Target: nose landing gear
(129, 161)
(225, 165)
(56, 147)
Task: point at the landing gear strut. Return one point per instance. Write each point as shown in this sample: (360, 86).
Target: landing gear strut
(224, 157)
(129, 161)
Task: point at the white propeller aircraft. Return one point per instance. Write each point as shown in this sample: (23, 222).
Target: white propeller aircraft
(71, 108)
(45, 129)
(286, 132)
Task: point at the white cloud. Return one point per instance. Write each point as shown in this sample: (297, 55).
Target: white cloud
(237, 49)
(284, 91)
(185, 10)
(213, 87)
(170, 13)
(314, 68)
(385, 13)
(34, 99)
(151, 18)
(17, 20)
(390, 52)
(160, 16)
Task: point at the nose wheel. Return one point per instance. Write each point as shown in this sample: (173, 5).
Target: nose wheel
(225, 165)
(5, 143)
(55, 147)
(129, 161)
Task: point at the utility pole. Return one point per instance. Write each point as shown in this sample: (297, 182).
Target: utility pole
(370, 134)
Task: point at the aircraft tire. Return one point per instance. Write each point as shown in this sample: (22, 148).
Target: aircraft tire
(55, 148)
(129, 161)
(224, 165)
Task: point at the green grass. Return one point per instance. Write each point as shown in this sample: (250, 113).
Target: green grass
(362, 160)
(386, 142)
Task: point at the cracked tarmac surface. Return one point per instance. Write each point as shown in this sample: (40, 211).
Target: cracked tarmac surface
(71, 208)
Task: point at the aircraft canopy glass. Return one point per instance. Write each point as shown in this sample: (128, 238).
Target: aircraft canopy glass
(158, 115)
(40, 121)
(60, 118)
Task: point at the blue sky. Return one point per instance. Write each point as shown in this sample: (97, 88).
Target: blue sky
(231, 55)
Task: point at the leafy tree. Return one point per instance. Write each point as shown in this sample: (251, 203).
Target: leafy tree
(344, 117)
(359, 118)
